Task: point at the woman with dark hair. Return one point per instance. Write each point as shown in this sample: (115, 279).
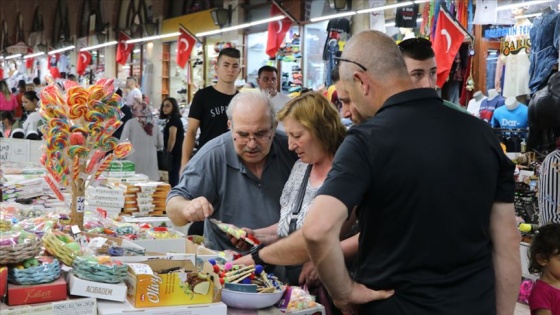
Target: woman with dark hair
(8, 100)
(8, 121)
(31, 124)
(173, 135)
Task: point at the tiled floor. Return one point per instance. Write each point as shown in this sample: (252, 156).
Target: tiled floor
(522, 309)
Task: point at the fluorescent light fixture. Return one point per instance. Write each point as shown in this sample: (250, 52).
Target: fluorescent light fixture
(33, 55)
(149, 38)
(385, 7)
(528, 16)
(137, 50)
(418, 20)
(99, 46)
(272, 19)
(333, 16)
(523, 4)
(61, 50)
(225, 29)
(420, 1)
(12, 56)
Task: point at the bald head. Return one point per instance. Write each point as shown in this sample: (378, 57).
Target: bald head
(372, 69)
(377, 52)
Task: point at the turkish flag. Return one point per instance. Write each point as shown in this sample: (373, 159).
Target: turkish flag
(29, 61)
(446, 43)
(53, 65)
(84, 59)
(276, 31)
(185, 45)
(123, 49)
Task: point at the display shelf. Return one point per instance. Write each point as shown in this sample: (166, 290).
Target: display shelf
(165, 71)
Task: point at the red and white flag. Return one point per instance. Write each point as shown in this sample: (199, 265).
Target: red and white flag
(29, 61)
(185, 45)
(84, 59)
(123, 49)
(276, 31)
(446, 43)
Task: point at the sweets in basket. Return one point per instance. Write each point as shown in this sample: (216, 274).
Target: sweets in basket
(37, 270)
(61, 246)
(99, 269)
(17, 246)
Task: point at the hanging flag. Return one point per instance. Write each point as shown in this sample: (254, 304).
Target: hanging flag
(29, 61)
(84, 59)
(276, 31)
(123, 49)
(447, 40)
(185, 45)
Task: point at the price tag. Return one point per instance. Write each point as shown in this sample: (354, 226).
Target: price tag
(80, 204)
(141, 269)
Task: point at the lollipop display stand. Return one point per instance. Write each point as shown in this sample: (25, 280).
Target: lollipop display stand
(77, 135)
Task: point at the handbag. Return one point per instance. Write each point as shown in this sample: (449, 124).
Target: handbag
(165, 160)
(299, 200)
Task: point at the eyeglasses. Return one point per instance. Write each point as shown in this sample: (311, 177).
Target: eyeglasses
(244, 138)
(412, 43)
(354, 62)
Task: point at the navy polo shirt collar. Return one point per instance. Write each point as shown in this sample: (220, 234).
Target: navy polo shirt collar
(414, 95)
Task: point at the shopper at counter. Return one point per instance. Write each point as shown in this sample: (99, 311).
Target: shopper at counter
(173, 134)
(314, 133)
(267, 79)
(237, 177)
(408, 170)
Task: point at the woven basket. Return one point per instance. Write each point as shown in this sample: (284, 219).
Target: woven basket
(56, 248)
(40, 274)
(93, 271)
(13, 254)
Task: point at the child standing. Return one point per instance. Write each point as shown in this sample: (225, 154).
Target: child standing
(544, 256)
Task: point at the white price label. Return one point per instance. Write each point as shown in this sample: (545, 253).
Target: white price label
(141, 269)
(80, 204)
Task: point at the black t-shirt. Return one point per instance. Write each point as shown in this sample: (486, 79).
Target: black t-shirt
(334, 29)
(209, 107)
(406, 16)
(425, 177)
(178, 147)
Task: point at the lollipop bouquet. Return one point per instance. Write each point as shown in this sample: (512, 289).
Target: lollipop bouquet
(77, 135)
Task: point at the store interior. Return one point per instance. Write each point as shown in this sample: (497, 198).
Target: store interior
(83, 220)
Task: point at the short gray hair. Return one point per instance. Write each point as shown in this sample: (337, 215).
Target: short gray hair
(250, 98)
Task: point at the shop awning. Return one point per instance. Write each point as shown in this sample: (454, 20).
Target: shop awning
(196, 23)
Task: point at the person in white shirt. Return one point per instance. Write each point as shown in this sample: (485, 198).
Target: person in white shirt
(267, 80)
(134, 92)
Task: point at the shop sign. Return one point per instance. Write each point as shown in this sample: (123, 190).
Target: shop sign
(496, 31)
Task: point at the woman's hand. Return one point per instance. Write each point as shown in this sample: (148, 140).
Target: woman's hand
(309, 276)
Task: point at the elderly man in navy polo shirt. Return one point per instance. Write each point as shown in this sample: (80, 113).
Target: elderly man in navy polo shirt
(237, 177)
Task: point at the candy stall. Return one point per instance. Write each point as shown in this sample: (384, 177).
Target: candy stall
(82, 233)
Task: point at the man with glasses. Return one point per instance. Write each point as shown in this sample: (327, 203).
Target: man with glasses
(434, 193)
(267, 80)
(420, 61)
(236, 177)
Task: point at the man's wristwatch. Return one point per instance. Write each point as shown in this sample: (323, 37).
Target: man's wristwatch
(255, 255)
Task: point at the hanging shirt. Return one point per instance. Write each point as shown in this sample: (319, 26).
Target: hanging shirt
(488, 106)
(474, 106)
(406, 16)
(511, 119)
(549, 189)
(486, 12)
(334, 29)
(544, 48)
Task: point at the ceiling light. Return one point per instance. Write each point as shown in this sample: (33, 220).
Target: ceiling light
(149, 38)
(33, 55)
(61, 50)
(385, 7)
(12, 56)
(99, 46)
(333, 16)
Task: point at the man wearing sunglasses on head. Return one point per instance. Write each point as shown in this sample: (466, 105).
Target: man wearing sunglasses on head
(237, 177)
